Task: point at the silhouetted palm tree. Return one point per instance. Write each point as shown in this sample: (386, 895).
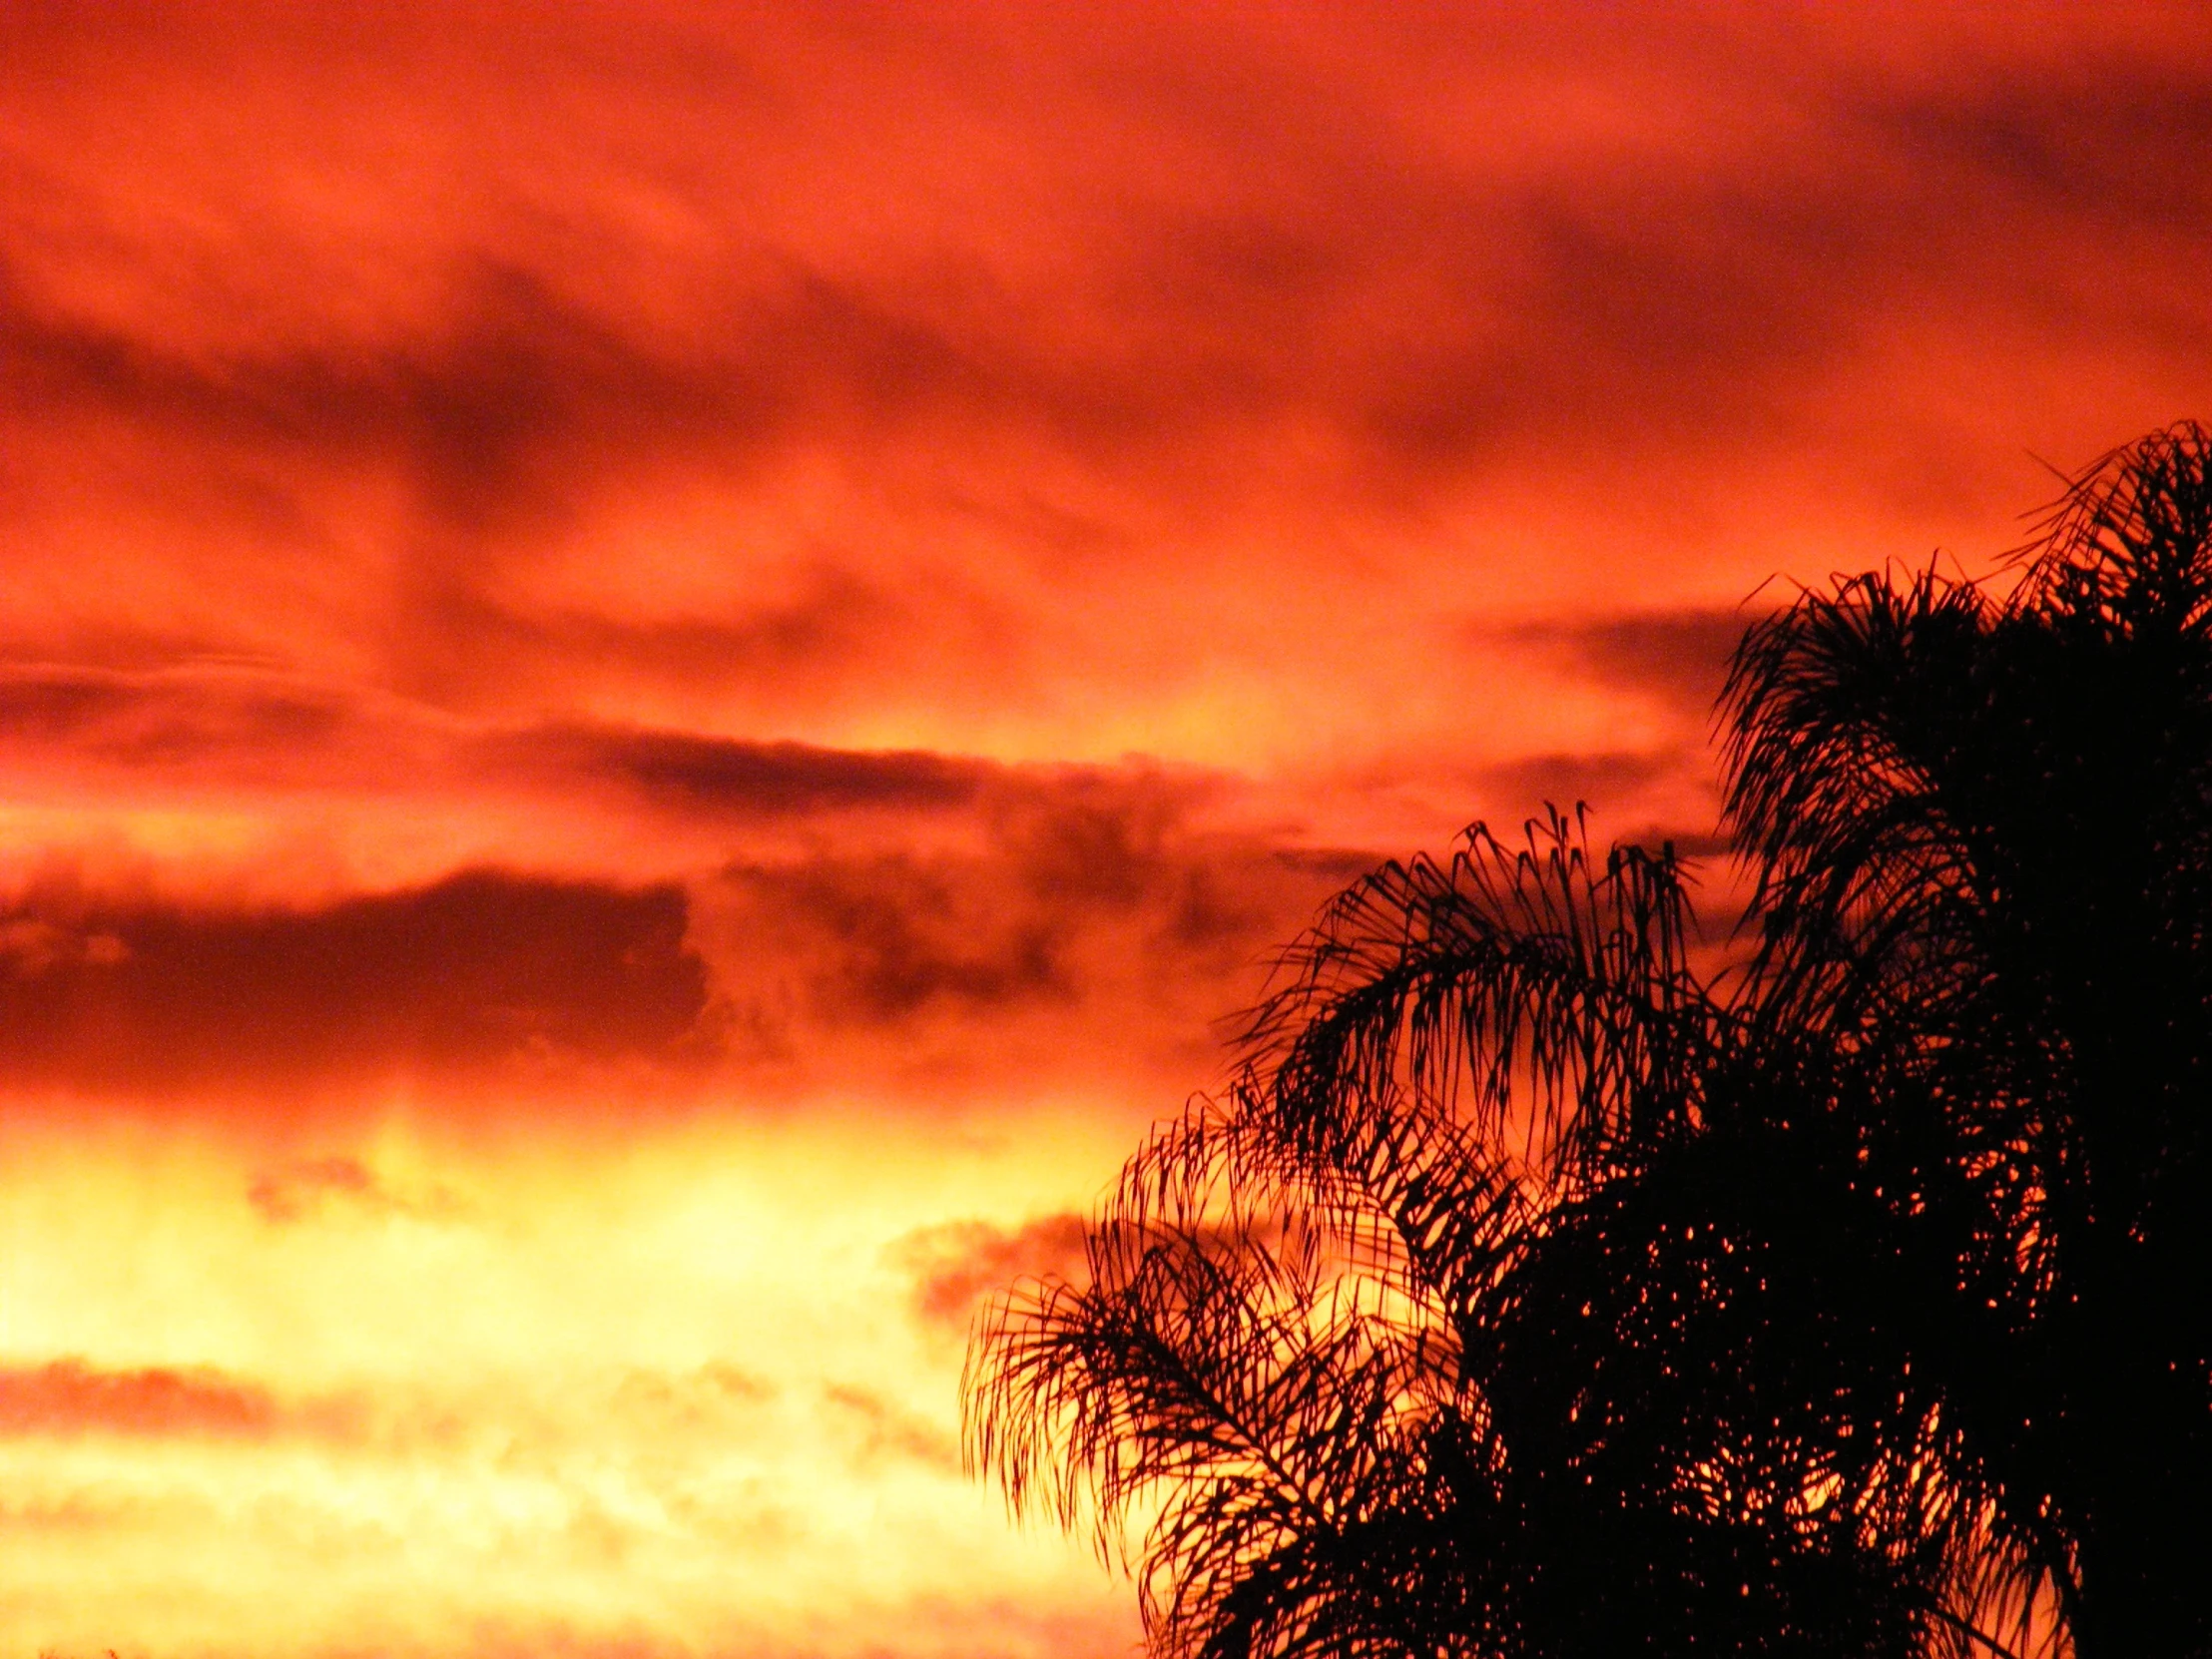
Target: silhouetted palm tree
(1533, 1294)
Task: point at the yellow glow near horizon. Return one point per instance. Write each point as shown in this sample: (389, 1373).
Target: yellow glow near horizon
(671, 1383)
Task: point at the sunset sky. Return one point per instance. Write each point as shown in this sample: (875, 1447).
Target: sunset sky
(661, 667)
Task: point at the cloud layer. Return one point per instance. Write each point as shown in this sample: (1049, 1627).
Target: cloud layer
(662, 669)
(482, 971)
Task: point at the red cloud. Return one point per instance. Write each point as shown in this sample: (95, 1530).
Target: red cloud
(67, 1396)
(1096, 928)
(964, 351)
(955, 1265)
(480, 974)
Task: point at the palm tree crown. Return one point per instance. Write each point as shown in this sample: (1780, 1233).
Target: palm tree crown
(1531, 1292)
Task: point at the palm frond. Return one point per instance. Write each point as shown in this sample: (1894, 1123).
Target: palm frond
(1535, 994)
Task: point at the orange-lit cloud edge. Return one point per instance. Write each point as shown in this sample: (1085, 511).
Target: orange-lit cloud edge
(661, 669)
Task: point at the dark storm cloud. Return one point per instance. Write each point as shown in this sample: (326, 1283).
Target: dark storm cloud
(726, 777)
(188, 728)
(199, 725)
(968, 920)
(486, 974)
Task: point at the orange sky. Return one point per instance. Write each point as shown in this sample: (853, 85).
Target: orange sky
(660, 665)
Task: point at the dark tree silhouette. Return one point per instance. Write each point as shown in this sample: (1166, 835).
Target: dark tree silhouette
(1532, 1292)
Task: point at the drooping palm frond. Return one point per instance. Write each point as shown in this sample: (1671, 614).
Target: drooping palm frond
(1538, 994)
(1246, 1375)
(1840, 713)
(2122, 552)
